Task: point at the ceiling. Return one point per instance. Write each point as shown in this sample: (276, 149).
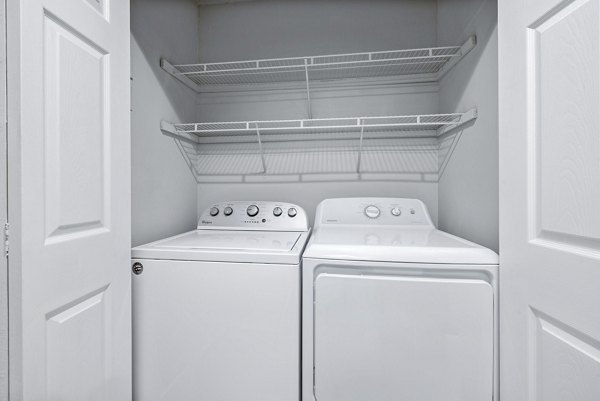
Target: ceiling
(217, 2)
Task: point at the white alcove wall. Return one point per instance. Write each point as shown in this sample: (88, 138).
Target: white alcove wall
(468, 189)
(270, 29)
(163, 198)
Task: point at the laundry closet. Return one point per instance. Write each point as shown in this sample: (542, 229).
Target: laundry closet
(439, 144)
(297, 102)
(128, 123)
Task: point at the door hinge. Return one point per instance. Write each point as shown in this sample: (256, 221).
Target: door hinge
(6, 238)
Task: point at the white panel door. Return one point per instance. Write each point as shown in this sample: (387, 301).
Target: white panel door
(69, 195)
(550, 200)
(389, 338)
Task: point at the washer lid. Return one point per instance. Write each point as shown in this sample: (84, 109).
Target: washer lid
(227, 246)
(396, 244)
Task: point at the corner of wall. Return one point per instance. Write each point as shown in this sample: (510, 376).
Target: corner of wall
(468, 186)
(164, 195)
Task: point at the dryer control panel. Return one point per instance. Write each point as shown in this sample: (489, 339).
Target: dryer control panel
(373, 211)
(254, 215)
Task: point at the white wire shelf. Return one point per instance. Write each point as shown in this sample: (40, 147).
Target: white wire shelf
(364, 142)
(426, 125)
(410, 65)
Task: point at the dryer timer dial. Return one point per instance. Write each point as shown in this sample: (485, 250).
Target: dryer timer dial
(252, 210)
(372, 212)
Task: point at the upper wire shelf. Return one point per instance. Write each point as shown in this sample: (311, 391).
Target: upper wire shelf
(411, 65)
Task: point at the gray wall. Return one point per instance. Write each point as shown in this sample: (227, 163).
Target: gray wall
(267, 29)
(163, 189)
(468, 188)
(292, 28)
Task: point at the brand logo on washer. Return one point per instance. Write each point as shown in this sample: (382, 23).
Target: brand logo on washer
(206, 222)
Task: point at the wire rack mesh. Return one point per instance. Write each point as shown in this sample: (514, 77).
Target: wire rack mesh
(375, 156)
(325, 67)
(314, 129)
(388, 144)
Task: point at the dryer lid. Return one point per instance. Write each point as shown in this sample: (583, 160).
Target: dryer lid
(393, 244)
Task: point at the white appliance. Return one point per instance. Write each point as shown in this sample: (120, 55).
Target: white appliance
(216, 311)
(394, 309)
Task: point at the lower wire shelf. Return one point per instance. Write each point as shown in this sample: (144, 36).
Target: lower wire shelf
(388, 144)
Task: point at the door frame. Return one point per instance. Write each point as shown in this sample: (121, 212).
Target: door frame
(13, 192)
(4, 378)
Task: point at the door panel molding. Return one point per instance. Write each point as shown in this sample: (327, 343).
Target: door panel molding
(77, 168)
(564, 361)
(563, 56)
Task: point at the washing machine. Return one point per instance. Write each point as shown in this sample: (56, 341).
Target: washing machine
(394, 309)
(216, 311)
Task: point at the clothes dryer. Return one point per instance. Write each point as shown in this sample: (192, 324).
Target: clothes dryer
(394, 309)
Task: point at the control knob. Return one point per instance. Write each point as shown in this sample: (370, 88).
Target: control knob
(214, 211)
(292, 212)
(396, 211)
(227, 211)
(277, 212)
(372, 212)
(252, 210)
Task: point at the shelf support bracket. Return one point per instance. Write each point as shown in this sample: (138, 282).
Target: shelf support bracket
(466, 117)
(168, 67)
(307, 88)
(169, 129)
(360, 145)
(260, 149)
(464, 49)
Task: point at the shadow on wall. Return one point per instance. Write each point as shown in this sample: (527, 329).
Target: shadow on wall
(472, 172)
(154, 39)
(158, 170)
(472, 62)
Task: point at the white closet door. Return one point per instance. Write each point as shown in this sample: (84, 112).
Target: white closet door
(70, 200)
(390, 338)
(550, 199)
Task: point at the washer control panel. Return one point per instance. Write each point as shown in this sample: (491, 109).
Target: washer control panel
(373, 211)
(254, 215)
